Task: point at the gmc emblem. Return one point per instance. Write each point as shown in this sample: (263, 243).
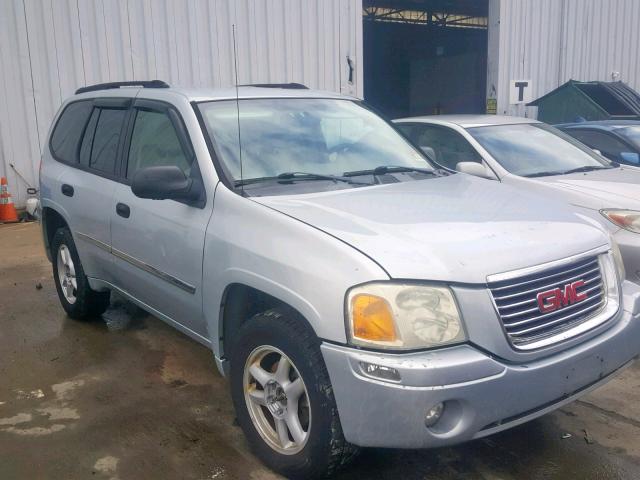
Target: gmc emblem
(555, 299)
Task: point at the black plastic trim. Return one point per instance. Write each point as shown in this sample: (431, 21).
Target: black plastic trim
(112, 85)
(287, 86)
(112, 102)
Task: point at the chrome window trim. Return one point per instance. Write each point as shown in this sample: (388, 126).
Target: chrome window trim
(139, 264)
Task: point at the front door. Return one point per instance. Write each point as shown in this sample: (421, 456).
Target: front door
(158, 244)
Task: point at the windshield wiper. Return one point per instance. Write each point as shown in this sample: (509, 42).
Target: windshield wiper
(317, 176)
(297, 176)
(544, 174)
(587, 168)
(384, 169)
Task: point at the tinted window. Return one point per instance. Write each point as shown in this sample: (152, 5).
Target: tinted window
(608, 145)
(68, 130)
(443, 145)
(154, 142)
(105, 142)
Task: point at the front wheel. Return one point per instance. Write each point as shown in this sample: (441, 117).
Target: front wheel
(283, 397)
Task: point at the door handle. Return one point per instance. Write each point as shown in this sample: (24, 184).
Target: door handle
(67, 190)
(123, 210)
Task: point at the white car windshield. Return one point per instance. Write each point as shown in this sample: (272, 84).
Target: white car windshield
(324, 137)
(536, 149)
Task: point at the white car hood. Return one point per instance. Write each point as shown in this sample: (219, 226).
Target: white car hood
(454, 229)
(615, 188)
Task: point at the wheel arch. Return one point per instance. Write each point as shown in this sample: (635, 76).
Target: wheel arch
(51, 221)
(240, 302)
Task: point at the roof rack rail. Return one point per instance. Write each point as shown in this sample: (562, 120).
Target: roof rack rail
(291, 86)
(134, 83)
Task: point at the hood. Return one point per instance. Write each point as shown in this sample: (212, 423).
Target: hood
(455, 229)
(614, 188)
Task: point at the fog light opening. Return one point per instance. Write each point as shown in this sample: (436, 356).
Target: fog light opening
(380, 372)
(433, 415)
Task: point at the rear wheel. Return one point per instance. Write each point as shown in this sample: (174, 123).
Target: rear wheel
(76, 296)
(283, 397)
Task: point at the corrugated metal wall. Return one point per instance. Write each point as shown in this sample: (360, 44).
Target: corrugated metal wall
(552, 41)
(48, 48)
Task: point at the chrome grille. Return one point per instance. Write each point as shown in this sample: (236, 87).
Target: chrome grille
(517, 303)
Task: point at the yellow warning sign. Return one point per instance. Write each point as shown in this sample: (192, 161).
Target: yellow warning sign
(492, 106)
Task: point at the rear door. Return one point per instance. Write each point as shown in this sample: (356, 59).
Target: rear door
(158, 244)
(85, 187)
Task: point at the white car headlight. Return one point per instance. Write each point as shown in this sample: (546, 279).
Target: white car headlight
(627, 219)
(402, 316)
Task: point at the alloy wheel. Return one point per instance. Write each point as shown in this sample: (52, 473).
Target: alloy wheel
(277, 400)
(67, 274)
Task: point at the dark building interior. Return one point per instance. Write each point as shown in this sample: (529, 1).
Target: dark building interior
(425, 57)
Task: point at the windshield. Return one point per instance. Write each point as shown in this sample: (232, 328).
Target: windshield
(324, 137)
(632, 134)
(535, 149)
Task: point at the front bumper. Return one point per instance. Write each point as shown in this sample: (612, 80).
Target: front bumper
(482, 394)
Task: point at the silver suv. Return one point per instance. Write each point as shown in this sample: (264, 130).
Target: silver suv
(355, 294)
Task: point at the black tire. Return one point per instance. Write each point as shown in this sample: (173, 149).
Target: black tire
(326, 449)
(89, 303)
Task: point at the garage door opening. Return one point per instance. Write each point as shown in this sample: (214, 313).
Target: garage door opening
(425, 57)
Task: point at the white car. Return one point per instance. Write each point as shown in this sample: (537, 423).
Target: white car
(537, 157)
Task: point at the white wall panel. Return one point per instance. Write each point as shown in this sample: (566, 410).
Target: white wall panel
(552, 41)
(49, 48)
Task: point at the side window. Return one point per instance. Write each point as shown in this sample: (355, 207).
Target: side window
(155, 142)
(68, 130)
(608, 145)
(105, 140)
(443, 145)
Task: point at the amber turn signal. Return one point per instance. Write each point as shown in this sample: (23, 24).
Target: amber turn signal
(372, 319)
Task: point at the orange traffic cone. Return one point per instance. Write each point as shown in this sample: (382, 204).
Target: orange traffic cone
(7, 210)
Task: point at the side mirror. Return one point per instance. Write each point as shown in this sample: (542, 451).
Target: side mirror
(166, 182)
(476, 169)
(630, 157)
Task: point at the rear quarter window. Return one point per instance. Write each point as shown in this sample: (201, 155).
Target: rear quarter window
(68, 131)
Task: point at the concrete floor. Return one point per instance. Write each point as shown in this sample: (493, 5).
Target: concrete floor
(135, 399)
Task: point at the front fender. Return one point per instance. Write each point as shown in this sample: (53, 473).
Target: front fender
(251, 244)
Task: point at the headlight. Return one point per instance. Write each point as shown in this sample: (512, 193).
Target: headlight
(627, 219)
(402, 316)
(617, 257)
